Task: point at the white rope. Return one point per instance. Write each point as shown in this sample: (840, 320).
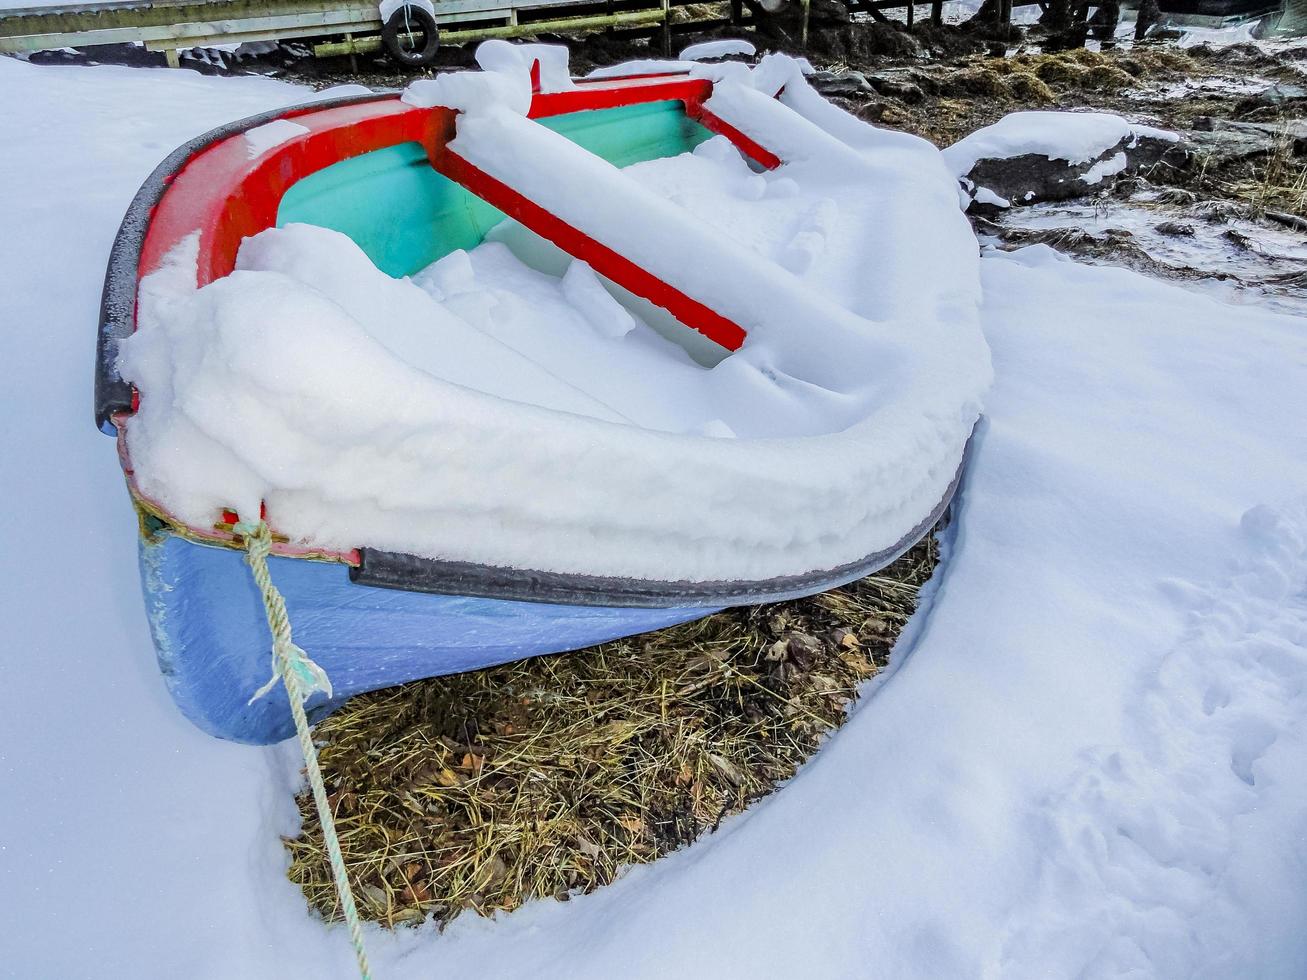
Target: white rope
(302, 678)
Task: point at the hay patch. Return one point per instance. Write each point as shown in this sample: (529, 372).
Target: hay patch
(1083, 56)
(1054, 70)
(1163, 61)
(1107, 78)
(545, 777)
(1027, 87)
(1133, 65)
(975, 81)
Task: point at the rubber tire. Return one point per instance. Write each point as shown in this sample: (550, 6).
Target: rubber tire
(394, 27)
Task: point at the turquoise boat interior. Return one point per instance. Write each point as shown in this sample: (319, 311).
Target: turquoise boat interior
(406, 215)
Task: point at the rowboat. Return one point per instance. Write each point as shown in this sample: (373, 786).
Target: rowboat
(381, 170)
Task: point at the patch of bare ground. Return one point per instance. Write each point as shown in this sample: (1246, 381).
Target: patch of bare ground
(544, 778)
(960, 97)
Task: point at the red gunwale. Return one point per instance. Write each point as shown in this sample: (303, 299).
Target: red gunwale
(226, 196)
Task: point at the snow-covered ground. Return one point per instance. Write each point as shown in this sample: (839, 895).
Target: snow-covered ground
(1235, 259)
(1087, 761)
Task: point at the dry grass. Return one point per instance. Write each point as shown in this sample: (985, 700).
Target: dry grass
(1026, 87)
(1106, 78)
(1059, 71)
(1280, 185)
(545, 777)
(1252, 186)
(965, 96)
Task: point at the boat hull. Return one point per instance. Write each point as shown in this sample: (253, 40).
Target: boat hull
(214, 649)
(382, 172)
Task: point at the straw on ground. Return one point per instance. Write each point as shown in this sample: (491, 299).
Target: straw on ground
(545, 777)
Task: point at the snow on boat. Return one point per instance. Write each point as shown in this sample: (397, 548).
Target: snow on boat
(517, 364)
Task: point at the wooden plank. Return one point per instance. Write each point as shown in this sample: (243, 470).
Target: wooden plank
(31, 29)
(187, 35)
(127, 15)
(170, 24)
(239, 37)
(117, 23)
(366, 45)
(324, 22)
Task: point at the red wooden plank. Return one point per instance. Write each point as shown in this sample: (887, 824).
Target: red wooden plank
(227, 197)
(601, 258)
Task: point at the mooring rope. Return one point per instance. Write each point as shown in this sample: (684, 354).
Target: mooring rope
(302, 678)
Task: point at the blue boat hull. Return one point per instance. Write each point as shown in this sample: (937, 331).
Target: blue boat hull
(214, 649)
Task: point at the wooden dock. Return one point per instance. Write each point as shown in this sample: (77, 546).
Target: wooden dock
(170, 25)
(348, 27)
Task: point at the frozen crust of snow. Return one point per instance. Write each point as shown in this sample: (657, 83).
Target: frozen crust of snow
(505, 82)
(501, 56)
(466, 90)
(261, 139)
(983, 195)
(1076, 137)
(713, 70)
(425, 416)
(644, 66)
(1218, 37)
(718, 49)
(1105, 168)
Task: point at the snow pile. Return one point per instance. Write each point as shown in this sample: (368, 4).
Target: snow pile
(1087, 761)
(1053, 155)
(552, 59)
(1076, 137)
(505, 81)
(1107, 167)
(261, 139)
(706, 50)
(1166, 837)
(366, 411)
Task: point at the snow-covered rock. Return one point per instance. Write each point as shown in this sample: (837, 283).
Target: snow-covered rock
(1027, 157)
(725, 48)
